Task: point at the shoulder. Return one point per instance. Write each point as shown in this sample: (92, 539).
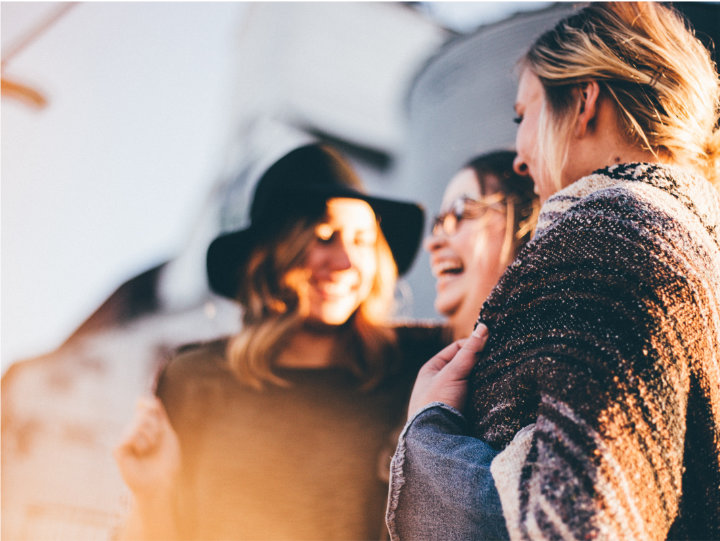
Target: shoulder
(193, 381)
(421, 337)
(639, 195)
(658, 212)
(194, 362)
(620, 231)
(590, 203)
(198, 350)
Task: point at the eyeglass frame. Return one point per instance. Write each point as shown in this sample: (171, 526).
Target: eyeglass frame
(465, 208)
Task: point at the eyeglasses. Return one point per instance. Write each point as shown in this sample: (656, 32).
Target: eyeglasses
(465, 208)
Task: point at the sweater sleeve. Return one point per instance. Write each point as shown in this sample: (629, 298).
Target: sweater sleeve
(592, 337)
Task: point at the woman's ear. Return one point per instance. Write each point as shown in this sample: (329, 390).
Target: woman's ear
(589, 100)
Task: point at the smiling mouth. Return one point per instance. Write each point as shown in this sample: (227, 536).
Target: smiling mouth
(448, 268)
(333, 291)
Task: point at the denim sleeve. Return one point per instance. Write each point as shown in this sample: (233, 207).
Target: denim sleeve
(440, 481)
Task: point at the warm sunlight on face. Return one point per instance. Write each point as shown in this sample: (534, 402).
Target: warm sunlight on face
(528, 106)
(341, 262)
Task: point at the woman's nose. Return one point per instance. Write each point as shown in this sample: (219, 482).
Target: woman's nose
(520, 167)
(340, 257)
(434, 242)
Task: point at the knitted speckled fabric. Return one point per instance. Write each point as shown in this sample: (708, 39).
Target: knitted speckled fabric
(605, 334)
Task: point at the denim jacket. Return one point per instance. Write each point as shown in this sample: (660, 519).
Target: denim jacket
(440, 481)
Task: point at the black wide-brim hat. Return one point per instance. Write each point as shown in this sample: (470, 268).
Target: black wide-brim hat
(298, 186)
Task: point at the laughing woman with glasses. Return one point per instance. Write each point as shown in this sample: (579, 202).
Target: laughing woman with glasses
(488, 214)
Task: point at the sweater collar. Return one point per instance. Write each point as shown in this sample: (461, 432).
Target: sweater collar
(679, 182)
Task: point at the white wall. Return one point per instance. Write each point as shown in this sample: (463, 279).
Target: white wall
(106, 180)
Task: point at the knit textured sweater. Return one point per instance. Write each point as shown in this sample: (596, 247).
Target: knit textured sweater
(601, 377)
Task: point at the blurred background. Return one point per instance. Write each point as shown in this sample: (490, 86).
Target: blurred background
(132, 133)
(126, 119)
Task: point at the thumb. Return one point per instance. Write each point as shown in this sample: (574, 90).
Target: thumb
(461, 365)
(477, 340)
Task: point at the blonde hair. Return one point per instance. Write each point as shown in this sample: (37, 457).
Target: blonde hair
(660, 77)
(520, 221)
(272, 312)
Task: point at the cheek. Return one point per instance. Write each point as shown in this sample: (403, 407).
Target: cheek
(467, 243)
(471, 246)
(367, 267)
(520, 138)
(483, 251)
(297, 280)
(314, 260)
(525, 140)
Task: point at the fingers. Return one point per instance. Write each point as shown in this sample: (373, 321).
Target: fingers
(444, 377)
(481, 333)
(460, 366)
(438, 361)
(460, 353)
(146, 428)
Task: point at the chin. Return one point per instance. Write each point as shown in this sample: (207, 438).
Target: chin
(447, 308)
(450, 298)
(334, 316)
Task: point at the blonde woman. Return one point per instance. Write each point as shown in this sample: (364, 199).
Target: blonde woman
(594, 408)
(276, 433)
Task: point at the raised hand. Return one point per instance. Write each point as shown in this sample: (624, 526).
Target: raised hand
(444, 378)
(148, 455)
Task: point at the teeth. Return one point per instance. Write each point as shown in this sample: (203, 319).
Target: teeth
(334, 289)
(447, 266)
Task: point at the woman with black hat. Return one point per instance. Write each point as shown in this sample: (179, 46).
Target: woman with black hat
(278, 431)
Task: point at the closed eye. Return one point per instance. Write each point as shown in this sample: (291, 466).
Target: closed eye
(324, 233)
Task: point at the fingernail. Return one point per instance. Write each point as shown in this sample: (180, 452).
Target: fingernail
(480, 330)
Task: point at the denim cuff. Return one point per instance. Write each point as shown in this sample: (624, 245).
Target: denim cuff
(440, 481)
(441, 416)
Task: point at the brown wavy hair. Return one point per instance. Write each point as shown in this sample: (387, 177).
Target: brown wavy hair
(271, 313)
(522, 205)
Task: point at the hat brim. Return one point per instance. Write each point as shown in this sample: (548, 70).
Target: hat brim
(401, 223)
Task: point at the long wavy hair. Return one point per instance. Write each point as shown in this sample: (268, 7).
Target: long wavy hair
(648, 62)
(271, 312)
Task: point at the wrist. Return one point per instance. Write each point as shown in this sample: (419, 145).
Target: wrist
(157, 497)
(438, 413)
(153, 517)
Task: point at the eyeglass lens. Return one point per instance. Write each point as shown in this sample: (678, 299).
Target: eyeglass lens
(463, 209)
(448, 221)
